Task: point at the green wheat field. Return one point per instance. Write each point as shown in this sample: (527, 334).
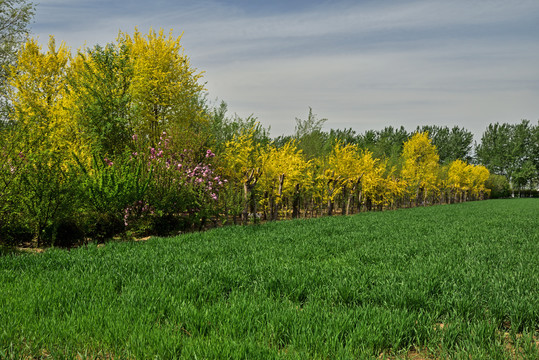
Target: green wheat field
(455, 281)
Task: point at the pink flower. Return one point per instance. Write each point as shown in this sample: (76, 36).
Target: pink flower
(135, 137)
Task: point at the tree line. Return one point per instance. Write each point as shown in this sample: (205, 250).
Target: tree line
(121, 139)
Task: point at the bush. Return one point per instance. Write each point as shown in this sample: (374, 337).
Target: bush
(102, 226)
(69, 232)
(499, 186)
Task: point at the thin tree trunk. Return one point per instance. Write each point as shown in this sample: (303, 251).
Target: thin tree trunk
(296, 203)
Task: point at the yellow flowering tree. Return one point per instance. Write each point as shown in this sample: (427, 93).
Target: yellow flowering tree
(393, 189)
(420, 163)
(342, 175)
(99, 83)
(374, 189)
(467, 180)
(458, 180)
(285, 174)
(242, 165)
(38, 92)
(165, 89)
(47, 134)
(480, 175)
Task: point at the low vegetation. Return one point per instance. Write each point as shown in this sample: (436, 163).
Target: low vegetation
(455, 281)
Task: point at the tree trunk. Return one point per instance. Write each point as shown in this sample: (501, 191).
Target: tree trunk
(343, 201)
(330, 207)
(248, 187)
(296, 202)
(245, 214)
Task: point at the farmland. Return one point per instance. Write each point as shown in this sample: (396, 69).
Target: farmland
(452, 281)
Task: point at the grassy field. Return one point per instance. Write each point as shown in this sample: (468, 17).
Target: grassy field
(455, 281)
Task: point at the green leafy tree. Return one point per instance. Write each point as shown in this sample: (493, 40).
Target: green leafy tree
(510, 150)
(345, 137)
(535, 152)
(498, 185)
(385, 144)
(311, 139)
(15, 16)
(223, 128)
(452, 144)
(524, 165)
(494, 151)
(99, 87)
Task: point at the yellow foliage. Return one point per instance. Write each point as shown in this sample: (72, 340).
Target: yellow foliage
(164, 86)
(480, 175)
(41, 103)
(467, 178)
(420, 164)
(283, 169)
(243, 157)
(458, 176)
(350, 168)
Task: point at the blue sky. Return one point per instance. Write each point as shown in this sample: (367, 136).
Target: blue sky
(360, 64)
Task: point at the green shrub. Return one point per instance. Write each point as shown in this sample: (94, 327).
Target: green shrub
(499, 186)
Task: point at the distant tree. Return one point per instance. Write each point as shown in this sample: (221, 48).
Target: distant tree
(345, 137)
(223, 128)
(343, 174)
(385, 144)
(15, 16)
(391, 143)
(311, 139)
(510, 150)
(467, 180)
(368, 140)
(522, 146)
(535, 151)
(282, 140)
(494, 151)
(452, 144)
